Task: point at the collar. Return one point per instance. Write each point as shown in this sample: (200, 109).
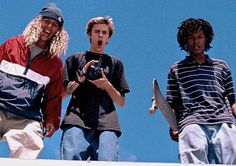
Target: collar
(189, 59)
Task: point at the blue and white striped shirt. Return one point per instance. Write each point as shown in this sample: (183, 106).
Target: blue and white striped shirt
(201, 93)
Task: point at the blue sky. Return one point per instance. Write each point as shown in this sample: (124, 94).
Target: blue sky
(145, 40)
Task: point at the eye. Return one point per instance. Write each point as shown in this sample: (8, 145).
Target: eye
(104, 32)
(96, 31)
(201, 37)
(46, 21)
(55, 25)
(190, 38)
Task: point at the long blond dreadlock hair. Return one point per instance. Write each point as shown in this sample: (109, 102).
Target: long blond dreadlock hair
(58, 44)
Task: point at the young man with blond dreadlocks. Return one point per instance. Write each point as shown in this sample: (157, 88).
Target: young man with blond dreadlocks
(200, 91)
(31, 83)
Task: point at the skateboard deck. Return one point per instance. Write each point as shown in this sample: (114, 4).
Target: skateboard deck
(160, 102)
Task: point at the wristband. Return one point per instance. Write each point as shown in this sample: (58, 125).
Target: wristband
(82, 73)
(78, 81)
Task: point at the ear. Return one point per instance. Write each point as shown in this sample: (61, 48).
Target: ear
(108, 40)
(89, 34)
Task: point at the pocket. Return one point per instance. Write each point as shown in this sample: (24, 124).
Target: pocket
(19, 93)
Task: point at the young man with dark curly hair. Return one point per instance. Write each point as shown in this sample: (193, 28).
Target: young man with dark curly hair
(31, 83)
(200, 91)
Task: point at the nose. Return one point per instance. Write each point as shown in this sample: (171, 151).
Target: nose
(195, 40)
(100, 34)
(198, 39)
(49, 25)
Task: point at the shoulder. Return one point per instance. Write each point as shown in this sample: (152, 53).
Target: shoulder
(115, 60)
(75, 55)
(177, 63)
(177, 66)
(15, 39)
(219, 62)
(14, 43)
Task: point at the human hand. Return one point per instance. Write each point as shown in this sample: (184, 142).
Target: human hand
(85, 68)
(154, 107)
(101, 83)
(49, 130)
(174, 135)
(82, 74)
(233, 107)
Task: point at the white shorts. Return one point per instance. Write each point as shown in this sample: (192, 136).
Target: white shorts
(24, 136)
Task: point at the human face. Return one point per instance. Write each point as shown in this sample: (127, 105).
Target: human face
(49, 29)
(196, 43)
(99, 37)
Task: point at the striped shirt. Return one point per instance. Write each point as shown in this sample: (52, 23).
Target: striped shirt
(201, 93)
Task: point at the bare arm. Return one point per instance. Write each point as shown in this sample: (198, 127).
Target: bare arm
(104, 84)
(70, 89)
(115, 95)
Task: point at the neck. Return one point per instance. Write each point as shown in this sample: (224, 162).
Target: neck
(42, 45)
(200, 58)
(96, 52)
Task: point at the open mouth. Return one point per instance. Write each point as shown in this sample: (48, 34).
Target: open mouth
(100, 42)
(46, 33)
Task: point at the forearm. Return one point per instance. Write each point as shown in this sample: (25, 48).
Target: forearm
(70, 88)
(73, 85)
(115, 95)
(52, 112)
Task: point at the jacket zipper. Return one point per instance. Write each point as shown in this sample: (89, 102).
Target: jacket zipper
(28, 64)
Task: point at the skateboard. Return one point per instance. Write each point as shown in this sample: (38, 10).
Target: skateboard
(158, 101)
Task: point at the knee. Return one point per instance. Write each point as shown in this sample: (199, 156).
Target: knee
(73, 144)
(108, 136)
(108, 147)
(72, 134)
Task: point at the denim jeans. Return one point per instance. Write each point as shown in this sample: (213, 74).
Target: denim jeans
(80, 144)
(202, 144)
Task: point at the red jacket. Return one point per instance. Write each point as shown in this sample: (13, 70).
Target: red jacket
(16, 53)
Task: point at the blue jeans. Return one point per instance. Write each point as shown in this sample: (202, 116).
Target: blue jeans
(81, 144)
(202, 144)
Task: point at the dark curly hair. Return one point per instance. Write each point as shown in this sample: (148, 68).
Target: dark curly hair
(190, 25)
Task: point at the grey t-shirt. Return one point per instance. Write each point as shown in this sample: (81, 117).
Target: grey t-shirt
(35, 50)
